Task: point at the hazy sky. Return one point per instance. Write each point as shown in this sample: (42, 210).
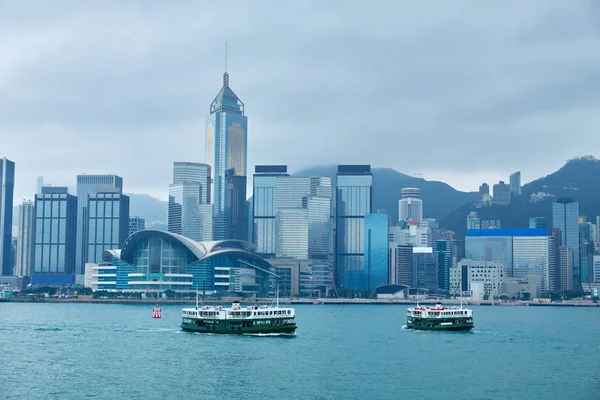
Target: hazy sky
(459, 91)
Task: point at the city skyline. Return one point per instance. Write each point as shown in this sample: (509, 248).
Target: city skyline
(505, 93)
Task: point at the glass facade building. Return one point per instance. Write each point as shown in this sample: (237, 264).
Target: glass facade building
(226, 153)
(55, 232)
(443, 252)
(86, 185)
(7, 187)
(565, 216)
(107, 222)
(308, 198)
(376, 267)
(190, 211)
(522, 251)
(159, 261)
(26, 229)
(353, 199)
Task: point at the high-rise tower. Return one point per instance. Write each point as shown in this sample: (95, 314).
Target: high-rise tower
(226, 153)
(7, 186)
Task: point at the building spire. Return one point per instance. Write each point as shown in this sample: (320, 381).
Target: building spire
(225, 75)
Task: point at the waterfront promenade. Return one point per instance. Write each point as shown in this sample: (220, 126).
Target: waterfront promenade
(405, 302)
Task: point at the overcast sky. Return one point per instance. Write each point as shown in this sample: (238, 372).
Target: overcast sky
(458, 91)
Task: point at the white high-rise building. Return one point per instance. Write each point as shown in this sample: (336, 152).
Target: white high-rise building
(483, 278)
(26, 229)
(411, 205)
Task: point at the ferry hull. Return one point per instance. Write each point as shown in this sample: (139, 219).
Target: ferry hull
(434, 325)
(224, 327)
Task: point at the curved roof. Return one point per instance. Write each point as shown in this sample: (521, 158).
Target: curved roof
(201, 250)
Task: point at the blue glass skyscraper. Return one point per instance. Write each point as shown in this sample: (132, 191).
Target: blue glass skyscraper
(108, 223)
(226, 153)
(565, 216)
(7, 186)
(353, 199)
(376, 268)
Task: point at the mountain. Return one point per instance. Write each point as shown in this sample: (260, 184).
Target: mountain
(439, 199)
(578, 178)
(148, 207)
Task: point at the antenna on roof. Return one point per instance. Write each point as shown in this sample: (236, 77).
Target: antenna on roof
(225, 74)
(225, 56)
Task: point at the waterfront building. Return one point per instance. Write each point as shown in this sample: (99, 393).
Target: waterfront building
(291, 233)
(501, 194)
(482, 279)
(526, 287)
(554, 284)
(190, 213)
(303, 278)
(595, 269)
(522, 251)
(515, 183)
(86, 185)
(55, 236)
(565, 216)
(157, 261)
(25, 239)
(567, 262)
(226, 153)
(537, 222)
(136, 224)
(107, 222)
(7, 186)
(376, 266)
(410, 205)
(353, 199)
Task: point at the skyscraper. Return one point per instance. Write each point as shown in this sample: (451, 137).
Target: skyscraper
(136, 224)
(86, 185)
(376, 267)
(565, 216)
(26, 229)
(107, 221)
(410, 205)
(226, 153)
(55, 236)
(354, 199)
(515, 183)
(537, 222)
(7, 186)
(190, 211)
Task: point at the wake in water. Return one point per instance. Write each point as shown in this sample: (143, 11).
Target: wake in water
(290, 335)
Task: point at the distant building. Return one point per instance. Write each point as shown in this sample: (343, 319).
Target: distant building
(490, 224)
(25, 240)
(484, 189)
(425, 272)
(410, 234)
(107, 222)
(482, 279)
(595, 275)
(303, 278)
(86, 185)
(515, 183)
(501, 193)
(537, 222)
(55, 237)
(7, 186)
(565, 216)
(190, 213)
(401, 264)
(136, 224)
(354, 199)
(567, 260)
(411, 205)
(473, 221)
(443, 252)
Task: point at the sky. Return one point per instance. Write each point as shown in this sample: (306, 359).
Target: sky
(458, 91)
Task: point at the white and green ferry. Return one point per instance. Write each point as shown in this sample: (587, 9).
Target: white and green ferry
(439, 318)
(239, 320)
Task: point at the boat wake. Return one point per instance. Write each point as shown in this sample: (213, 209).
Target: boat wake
(270, 334)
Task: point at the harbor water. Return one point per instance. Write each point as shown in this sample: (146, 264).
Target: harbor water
(100, 351)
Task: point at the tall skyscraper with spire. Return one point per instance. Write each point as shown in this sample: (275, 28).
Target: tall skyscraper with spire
(226, 153)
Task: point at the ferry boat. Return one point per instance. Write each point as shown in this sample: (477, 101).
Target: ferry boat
(439, 318)
(239, 320)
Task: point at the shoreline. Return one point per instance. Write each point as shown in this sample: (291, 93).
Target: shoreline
(403, 302)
